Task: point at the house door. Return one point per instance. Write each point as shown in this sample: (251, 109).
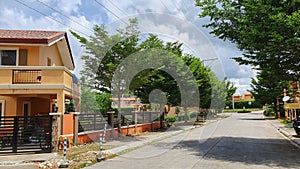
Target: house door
(1, 111)
(26, 111)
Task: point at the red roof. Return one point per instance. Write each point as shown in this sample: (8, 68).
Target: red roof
(29, 36)
(37, 37)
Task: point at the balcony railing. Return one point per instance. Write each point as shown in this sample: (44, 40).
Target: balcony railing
(26, 77)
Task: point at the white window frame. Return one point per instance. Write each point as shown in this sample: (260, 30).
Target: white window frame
(17, 55)
(2, 110)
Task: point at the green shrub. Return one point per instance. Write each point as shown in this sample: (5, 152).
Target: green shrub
(170, 119)
(269, 112)
(244, 111)
(242, 103)
(193, 114)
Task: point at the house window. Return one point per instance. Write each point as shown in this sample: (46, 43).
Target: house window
(1, 111)
(49, 62)
(8, 57)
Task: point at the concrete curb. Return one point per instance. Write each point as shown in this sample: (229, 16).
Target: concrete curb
(286, 134)
(290, 137)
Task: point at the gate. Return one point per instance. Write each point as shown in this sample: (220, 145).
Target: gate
(22, 134)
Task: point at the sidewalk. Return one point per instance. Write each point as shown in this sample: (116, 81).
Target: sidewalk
(288, 131)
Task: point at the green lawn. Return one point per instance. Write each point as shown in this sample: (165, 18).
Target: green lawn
(236, 110)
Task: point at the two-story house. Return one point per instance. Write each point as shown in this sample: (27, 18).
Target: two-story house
(35, 72)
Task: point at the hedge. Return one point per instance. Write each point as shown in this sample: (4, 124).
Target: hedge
(242, 104)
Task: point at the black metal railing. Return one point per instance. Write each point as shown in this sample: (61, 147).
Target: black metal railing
(26, 77)
(90, 122)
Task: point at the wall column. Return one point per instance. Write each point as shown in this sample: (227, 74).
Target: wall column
(56, 130)
(75, 136)
(60, 96)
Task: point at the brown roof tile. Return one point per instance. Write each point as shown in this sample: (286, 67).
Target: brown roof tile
(29, 36)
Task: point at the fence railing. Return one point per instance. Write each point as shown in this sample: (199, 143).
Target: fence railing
(90, 122)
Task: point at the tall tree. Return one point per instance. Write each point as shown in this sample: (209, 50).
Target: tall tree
(266, 87)
(104, 53)
(267, 31)
(230, 89)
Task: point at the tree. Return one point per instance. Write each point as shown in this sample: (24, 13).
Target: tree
(104, 53)
(230, 89)
(104, 102)
(266, 87)
(266, 31)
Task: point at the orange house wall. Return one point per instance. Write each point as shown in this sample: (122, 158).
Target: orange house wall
(68, 124)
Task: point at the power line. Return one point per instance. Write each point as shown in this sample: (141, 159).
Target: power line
(118, 7)
(49, 17)
(110, 11)
(116, 14)
(43, 3)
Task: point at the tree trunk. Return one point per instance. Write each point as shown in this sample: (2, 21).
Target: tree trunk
(185, 114)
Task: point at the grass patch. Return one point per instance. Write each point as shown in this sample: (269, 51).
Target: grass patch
(285, 122)
(237, 110)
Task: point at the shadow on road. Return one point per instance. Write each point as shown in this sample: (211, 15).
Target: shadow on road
(269, 152)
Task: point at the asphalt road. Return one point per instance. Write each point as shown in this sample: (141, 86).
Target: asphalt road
(240, 141)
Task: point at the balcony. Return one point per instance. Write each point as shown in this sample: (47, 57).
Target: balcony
(34, 76)
(26, 76)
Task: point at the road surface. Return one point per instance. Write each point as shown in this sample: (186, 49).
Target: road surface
(240, 141)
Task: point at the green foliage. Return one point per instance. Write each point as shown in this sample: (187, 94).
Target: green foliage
(269, 112)
(244, 111)
(105, 52)
(230, 89)
(88, 100)
(193, 114)
(266, 31)
(267, 86)
(103, 101)
(243, 104)
(70, 107)
(170, 119)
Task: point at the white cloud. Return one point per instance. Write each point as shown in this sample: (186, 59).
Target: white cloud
(68, 6)
(14, 16)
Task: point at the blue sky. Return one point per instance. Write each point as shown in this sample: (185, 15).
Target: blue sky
(170, 19)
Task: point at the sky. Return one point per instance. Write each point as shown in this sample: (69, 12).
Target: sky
(172, 20)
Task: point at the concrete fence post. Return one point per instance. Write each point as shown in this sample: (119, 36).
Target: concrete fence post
(76, 124)
(110, 121)
(56, 130)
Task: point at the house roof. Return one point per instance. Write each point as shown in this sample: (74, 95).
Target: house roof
(30, 36)
(39, 37)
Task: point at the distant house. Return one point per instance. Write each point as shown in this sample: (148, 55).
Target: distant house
(236, 97)
(35, 72)
(247, 96)
(126, 102)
